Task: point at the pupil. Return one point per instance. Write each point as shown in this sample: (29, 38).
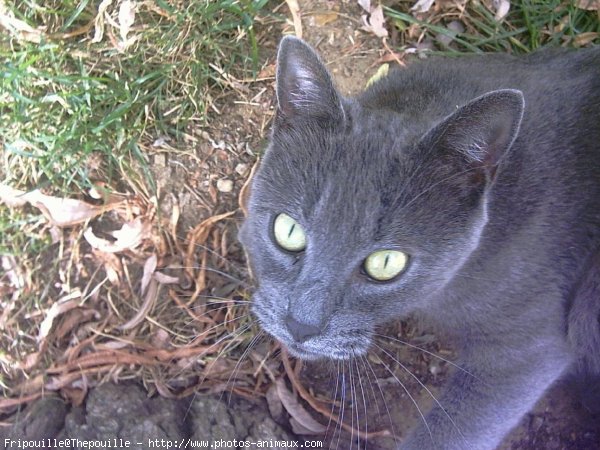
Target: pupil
(291, 230)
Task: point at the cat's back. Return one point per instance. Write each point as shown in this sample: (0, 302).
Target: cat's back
(551, 81)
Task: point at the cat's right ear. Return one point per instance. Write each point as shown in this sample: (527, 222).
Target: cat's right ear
(305, 90)
(482, 131)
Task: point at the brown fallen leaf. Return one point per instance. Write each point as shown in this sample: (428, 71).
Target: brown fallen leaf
(62, 212)
(149, 301)
(126, 18)
(149, 268)
(296, 410)
(590, 5)
(197, 236)
(72, 320)
(245, 190)
(585, 38)
(267, 72)
(99, 21)
(21, 30)
(320, 408)
(295, 10)
(163, 278)
(59, 307)
(374, 22)
(112, 266)
(128, 237)
(422, 6)
(502, 7)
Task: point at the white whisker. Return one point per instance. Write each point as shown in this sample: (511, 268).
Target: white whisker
(366, 361)
(416, 347)
(407, 370)
(412, 399)
(364, 403)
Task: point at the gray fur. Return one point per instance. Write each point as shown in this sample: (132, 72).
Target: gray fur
(486, 171)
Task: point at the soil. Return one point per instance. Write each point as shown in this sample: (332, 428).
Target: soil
(200, 179)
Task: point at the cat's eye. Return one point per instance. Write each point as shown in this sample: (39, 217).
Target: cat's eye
(288, 233)
(383, 265)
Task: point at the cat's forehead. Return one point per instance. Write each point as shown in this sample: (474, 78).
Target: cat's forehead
(336, 178)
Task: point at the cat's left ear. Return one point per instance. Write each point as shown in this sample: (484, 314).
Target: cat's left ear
(305, 90)
(482, 131)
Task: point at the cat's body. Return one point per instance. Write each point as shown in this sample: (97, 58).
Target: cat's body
(495, 205)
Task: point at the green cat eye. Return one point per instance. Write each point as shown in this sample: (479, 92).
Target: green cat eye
(289, 235)
(384, 265)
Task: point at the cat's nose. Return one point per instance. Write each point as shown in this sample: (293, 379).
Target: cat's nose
(301, 332)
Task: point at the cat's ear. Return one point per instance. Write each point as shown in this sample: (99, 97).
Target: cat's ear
(482, 130)
(304, 87)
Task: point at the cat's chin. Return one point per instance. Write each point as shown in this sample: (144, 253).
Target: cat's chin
(299, 351)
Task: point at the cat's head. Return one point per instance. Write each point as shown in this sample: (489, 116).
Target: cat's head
(356, 216)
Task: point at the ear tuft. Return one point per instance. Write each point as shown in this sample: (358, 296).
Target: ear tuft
(304, 87)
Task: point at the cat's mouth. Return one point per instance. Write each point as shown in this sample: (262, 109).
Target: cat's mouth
(298, 351)
(312, 351)
(344, 344)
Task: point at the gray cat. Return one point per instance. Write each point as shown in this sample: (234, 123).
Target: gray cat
(465, 190)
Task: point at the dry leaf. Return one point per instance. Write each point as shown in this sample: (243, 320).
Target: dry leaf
(197, 236)
(160, 339)
(165, 279)
(295, 10)
(365, 4)
(149, 268)
(99, 21)
(374, 22)
(245, 190)
(59, 307)
(274, 403)
(12, 272)
(62, 212)
(128, 237)
(71, 320)
(126, 18)
(11, 197)
(149, 301)
(112, 266)
(585, 38)
(454, 28)
(422, 6)
(21, 30)
(267, 71)
(590, 5)
(296, 410)
(502, 7)
(298, 428)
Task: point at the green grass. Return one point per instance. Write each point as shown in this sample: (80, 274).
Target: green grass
(530, 25)
(72, 111)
